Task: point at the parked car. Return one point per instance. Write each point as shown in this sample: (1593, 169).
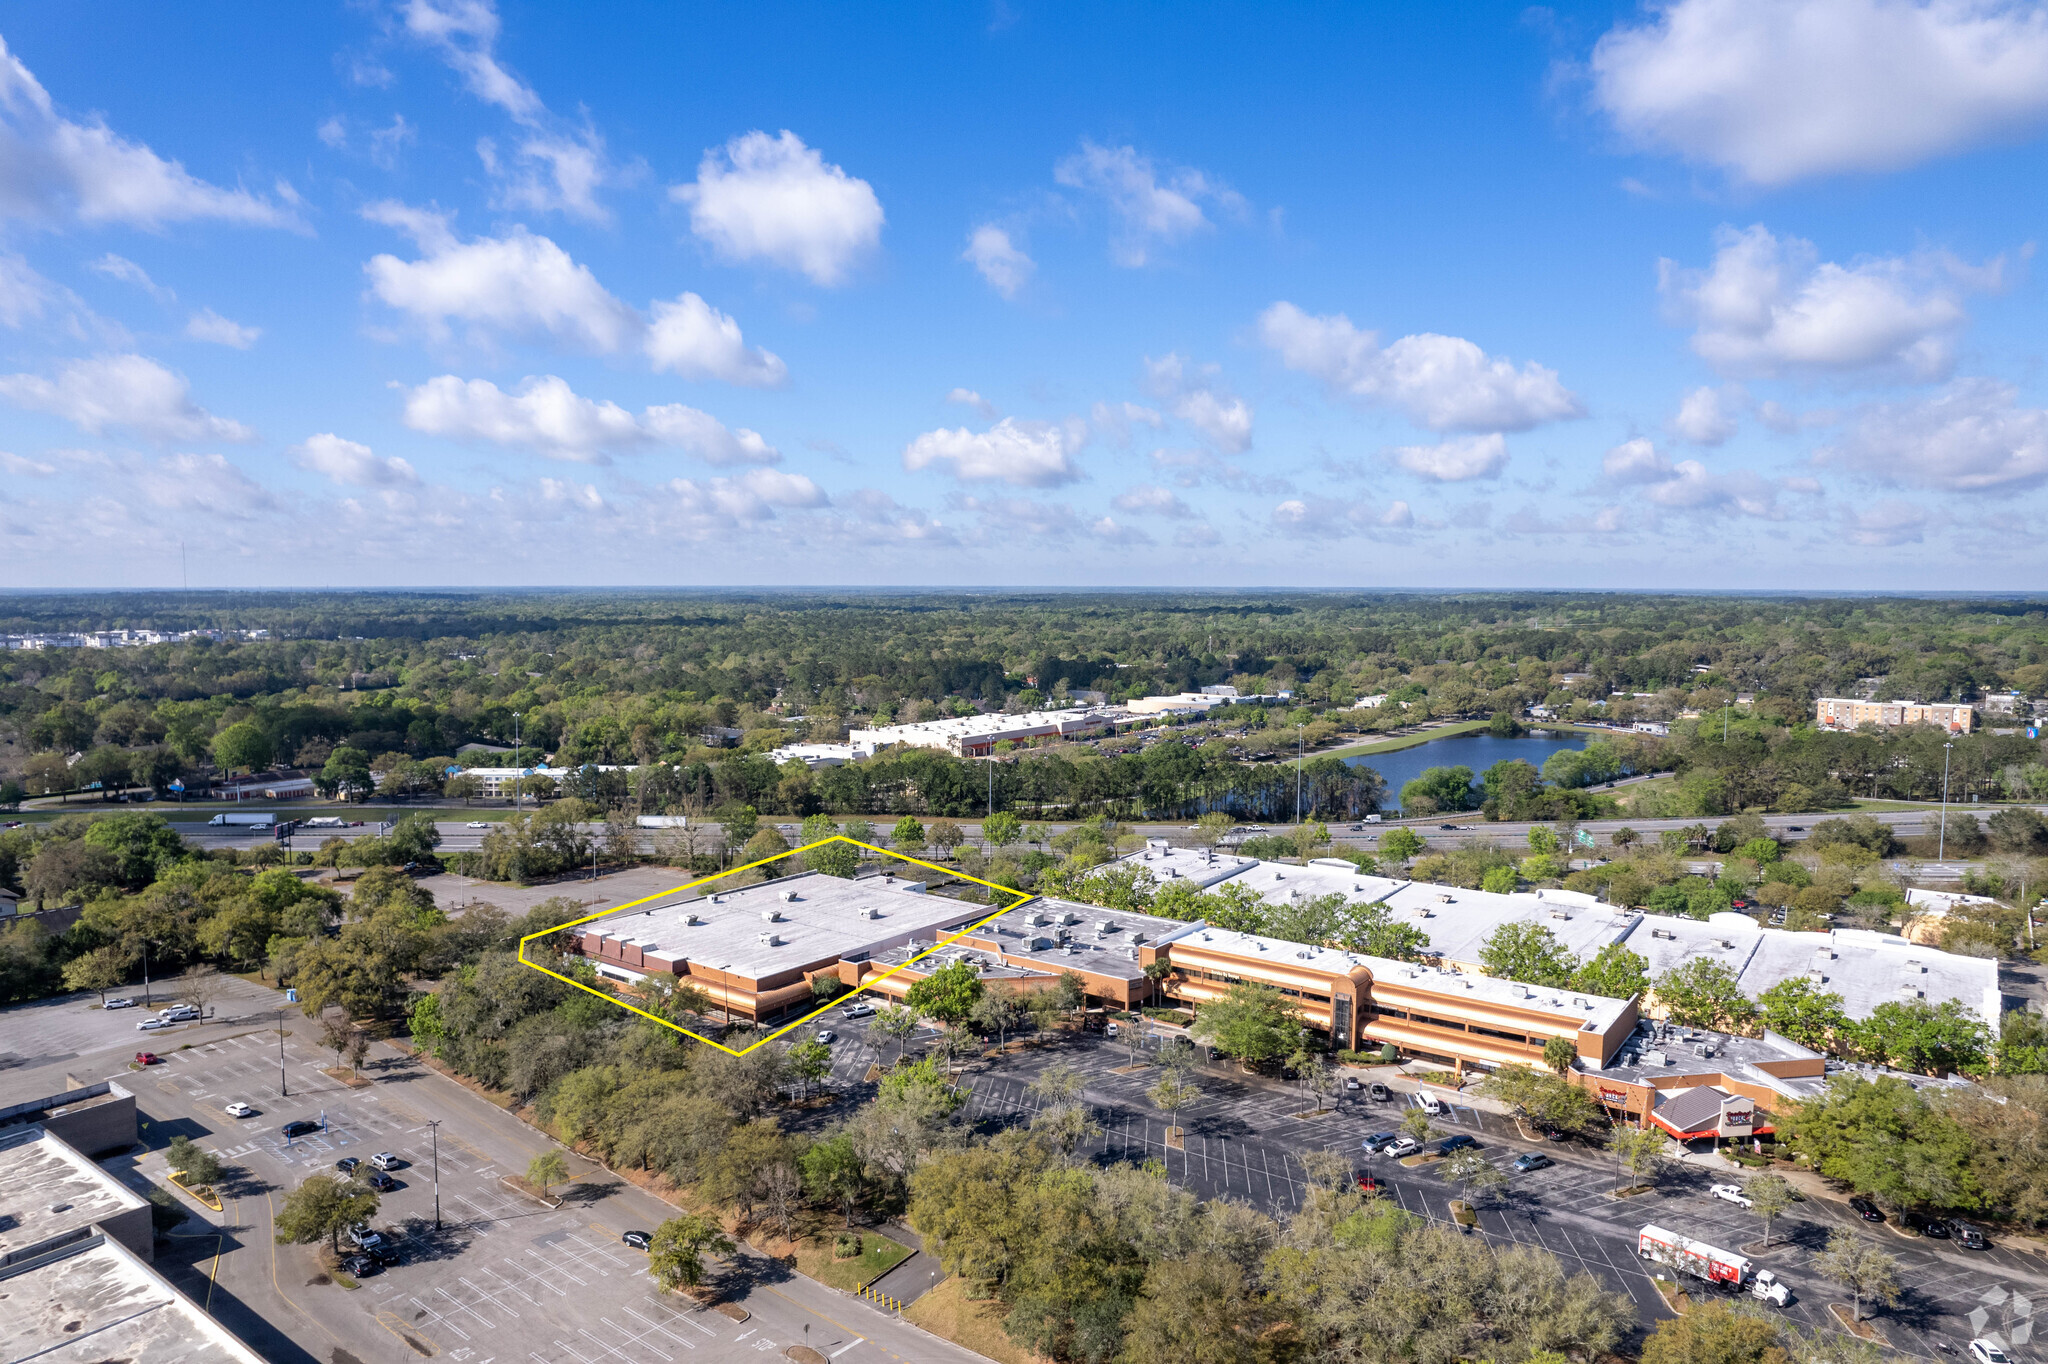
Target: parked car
(1403, 1146)
(148, 1058)
(479, 824)
(1732, 1193)
(827, 1036)
(384, 1160)
(387, 1254)
(299, 1127)
(119, 1002)
(1430, 1104)
(381, 1182)
(1367, 1184)
(639, 1240)
(1921, 1224)
(1457, 1142)
(1353, 1085)
(179, 1013)
(1987, 1352)
(1866, 1210)
(360, 1266)
(1968, 1237)
(861, 1010)
(152, 1024)
(238, 1109)
(1378, 1092)
(1534, 1160)
(1378, 1142)
(361, 1235)
(348, 1165)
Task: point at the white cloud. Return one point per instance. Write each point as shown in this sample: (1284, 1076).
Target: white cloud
(1972, 437)
(128, 272)
(20, 467)
(554, 168)
(1006, 268)
(204, 483)
(1025, 454)
(967, 397)
(1116, 420)
(1327, 518)
(130, 391)
(550, 418)
(1456, 460)
(775, 199)
(389, 142)
(1397, 516)
(1004, 519)
(1636, 461)
(1779, 92)
(333, 131)
(1887, 524)
(1442, 382)
(1770, 306)
(349, 462)
(520, 284)
(26, 298)
(1153, 499)
(1199, 536)
(691, 338)
(1528, 521)
(1704, 416)
(1151, 209)
(1110, 531)
(1225, 422)
(208, 325)
(52, 168)
(1692, 488)
(750, 497)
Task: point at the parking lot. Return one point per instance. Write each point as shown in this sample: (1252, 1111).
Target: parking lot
(1243, 1139)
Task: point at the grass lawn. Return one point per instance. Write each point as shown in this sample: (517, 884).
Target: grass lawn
(1404, 741)
(877, 1253)
(947, 1311)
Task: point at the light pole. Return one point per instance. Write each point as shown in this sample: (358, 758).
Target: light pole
(282, 1091)
(518, 768)
(434, 1128)
(146, 1000)
(1941, 844)
(1300, 742)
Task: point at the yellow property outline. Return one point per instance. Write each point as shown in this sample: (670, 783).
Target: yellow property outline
(1022, 897)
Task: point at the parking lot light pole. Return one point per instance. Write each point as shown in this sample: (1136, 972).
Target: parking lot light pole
(282, 1091)
(434, 1127)
(1941, 844)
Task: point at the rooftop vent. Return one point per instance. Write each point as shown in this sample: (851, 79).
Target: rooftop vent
(1663, 933)
(1559, 914)
(718, 899)
(1446, 900)
(1137, 938)
(1728, 944)
(870, 912)
(787, 896)
(1106, 926)
(692, 919)
(1817, 975)
(1131, 952)
(771, 916)
(771, 940)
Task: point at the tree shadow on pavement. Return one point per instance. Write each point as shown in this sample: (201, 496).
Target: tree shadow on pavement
(421, 1241)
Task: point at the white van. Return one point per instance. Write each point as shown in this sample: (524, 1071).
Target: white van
(1430, 1104)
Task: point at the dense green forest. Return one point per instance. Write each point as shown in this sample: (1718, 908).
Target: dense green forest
(379, 692)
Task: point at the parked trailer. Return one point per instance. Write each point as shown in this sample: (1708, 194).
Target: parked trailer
(249, 821)
(1696, 1258)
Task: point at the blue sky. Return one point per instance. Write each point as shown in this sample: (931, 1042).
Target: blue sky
(1715, 293)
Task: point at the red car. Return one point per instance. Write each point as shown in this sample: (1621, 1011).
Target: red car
(148, 1058)
(1367, 1184)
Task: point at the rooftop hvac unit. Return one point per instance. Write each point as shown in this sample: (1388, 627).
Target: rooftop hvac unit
(771, 940)
(1910, 987)
(718, 899)
(1655, 1058)
(1105, 927)
(1072, 948)
(692, 919)
(1131, 952)
(1070, 918)
(1663, 933)
(771, 916)
(1279, 876)
(1038, 920)
(1818, 976)
(787, 896)
(1137, 938)
(1728, 944)
(1445, 900)
(870, 912)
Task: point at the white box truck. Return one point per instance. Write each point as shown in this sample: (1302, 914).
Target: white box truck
(247, 821)
(1711, 1263)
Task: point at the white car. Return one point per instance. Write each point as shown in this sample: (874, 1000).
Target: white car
(479, 824)
(384, 1160)
(1403, 1146)
(1988, 1352)
(238, 1109)
(179, 1013)
(152, 1024)
(861, 1011)
(827, 1036)
(1731, 1193)
(122, 1003)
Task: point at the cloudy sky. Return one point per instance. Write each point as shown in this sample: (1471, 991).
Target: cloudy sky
(1714, 293)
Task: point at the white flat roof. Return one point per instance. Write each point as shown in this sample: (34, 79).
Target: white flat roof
(1202, 866)
(102, 1304)
(1278, 881)
(47, 1187)
(823, 922)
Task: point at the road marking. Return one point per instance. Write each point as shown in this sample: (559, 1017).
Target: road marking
(844, 1348)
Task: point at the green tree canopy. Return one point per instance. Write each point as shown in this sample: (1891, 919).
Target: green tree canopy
(1528, 952)
(1251, 1022)
(948, 994)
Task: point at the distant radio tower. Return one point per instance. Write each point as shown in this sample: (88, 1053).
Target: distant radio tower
(183, 572)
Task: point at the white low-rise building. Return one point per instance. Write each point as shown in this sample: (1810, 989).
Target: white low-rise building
(973, 736)
(815, 756)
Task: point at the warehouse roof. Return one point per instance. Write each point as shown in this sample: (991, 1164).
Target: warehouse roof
(47, 1187)
(816, 918)
(1202, 866)
(99, 1303)
(1060, 935)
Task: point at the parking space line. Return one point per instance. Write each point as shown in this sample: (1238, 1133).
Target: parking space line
(434, 1318)
(465, 1307)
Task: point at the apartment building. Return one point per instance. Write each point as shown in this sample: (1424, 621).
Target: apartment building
(1835, 712)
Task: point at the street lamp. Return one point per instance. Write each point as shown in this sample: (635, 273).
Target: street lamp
(434, 1128)
(1941, 844)
(517, 768)
(1300, 740)
(282, 1091)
